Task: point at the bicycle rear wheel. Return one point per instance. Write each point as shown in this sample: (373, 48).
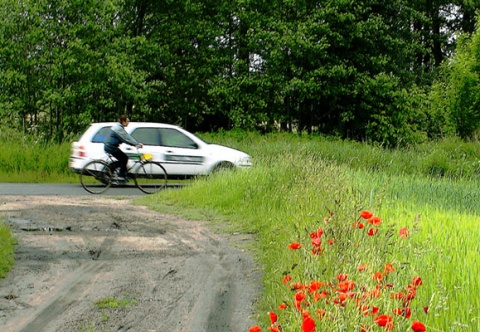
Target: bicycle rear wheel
(150, 177)
(96, 177)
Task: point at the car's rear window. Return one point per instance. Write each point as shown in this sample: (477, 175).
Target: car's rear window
(101, 135)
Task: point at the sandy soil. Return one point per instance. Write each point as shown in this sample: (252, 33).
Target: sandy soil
(173, 274)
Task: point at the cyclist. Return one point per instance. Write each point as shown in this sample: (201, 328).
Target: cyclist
(117, 136)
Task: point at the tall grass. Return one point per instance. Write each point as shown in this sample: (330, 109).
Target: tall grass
(28, 160)
(7, 242)
(298, 181)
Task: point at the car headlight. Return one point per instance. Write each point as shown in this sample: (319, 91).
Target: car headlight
(245, 161)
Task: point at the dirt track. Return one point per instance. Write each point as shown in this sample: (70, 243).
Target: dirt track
(173, 274)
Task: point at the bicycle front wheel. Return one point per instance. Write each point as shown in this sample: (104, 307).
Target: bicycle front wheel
(96, 177)
(150, 177)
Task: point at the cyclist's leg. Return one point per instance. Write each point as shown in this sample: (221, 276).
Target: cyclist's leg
(122, 160)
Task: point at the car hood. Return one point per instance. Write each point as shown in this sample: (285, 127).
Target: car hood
(228, 153)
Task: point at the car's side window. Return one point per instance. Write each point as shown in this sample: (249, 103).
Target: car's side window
(174, 138)
(147, 136)
(101, 135)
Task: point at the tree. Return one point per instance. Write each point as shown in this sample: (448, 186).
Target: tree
(458, 90)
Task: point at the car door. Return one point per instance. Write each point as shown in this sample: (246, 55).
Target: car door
(178, 153)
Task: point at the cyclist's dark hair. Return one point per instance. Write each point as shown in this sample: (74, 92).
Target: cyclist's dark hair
(122, 118)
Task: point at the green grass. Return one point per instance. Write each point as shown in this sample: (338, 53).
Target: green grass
(297, 182)
(7, 242)
(114, 303)
(35, 162)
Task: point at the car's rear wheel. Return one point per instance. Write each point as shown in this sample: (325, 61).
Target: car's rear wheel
(96, 177)
(150, 177)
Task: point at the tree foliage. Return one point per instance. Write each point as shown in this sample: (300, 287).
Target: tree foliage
(457, 92)
(354, 69)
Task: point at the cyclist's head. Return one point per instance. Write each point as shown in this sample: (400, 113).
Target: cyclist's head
(124, 120)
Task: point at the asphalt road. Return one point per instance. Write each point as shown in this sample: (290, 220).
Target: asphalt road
(63, 189)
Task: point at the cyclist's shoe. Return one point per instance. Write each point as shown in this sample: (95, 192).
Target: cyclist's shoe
(123, 179)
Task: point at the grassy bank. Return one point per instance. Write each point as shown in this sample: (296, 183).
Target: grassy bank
(297, 182)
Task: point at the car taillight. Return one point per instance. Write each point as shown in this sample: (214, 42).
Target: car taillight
(81, 151)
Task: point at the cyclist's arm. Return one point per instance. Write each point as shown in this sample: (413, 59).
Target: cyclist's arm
(125, 137)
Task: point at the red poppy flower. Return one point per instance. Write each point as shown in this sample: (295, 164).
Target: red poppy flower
(297, 304)
(372, 231)
(275, 328)
(300, 296)
(358, 224)
(383, 320)
(425, 308)
(273, 317)
(345, 286)
(340, 299)
(398, 296)
(282, 306)
(405, 312)
(298, 285)
(255, 329)
(412, 293)
(342, 277)
(377, 276)
(403, 233)
(375, 293)
(375, 221)
(308, 324)
(315, 285)
(317, 233)
(362, 267)
(388, 268)
(323, 295)
(320, 312)
(294, 245)
(418, 326)
(417, 281)
(286, 279)
(366, 214)
(317, 241)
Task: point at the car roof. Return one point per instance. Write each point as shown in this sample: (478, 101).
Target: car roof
(136, 124)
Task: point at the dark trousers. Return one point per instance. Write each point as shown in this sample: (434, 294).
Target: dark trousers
(121, 157)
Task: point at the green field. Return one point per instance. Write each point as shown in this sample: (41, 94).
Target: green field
(301, 183)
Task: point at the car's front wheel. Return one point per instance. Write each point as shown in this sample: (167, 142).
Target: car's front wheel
(150, 177)
(223, 166)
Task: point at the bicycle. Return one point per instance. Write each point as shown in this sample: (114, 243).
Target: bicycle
(99, 174)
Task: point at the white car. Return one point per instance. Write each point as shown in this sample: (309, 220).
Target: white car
(182, 153)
